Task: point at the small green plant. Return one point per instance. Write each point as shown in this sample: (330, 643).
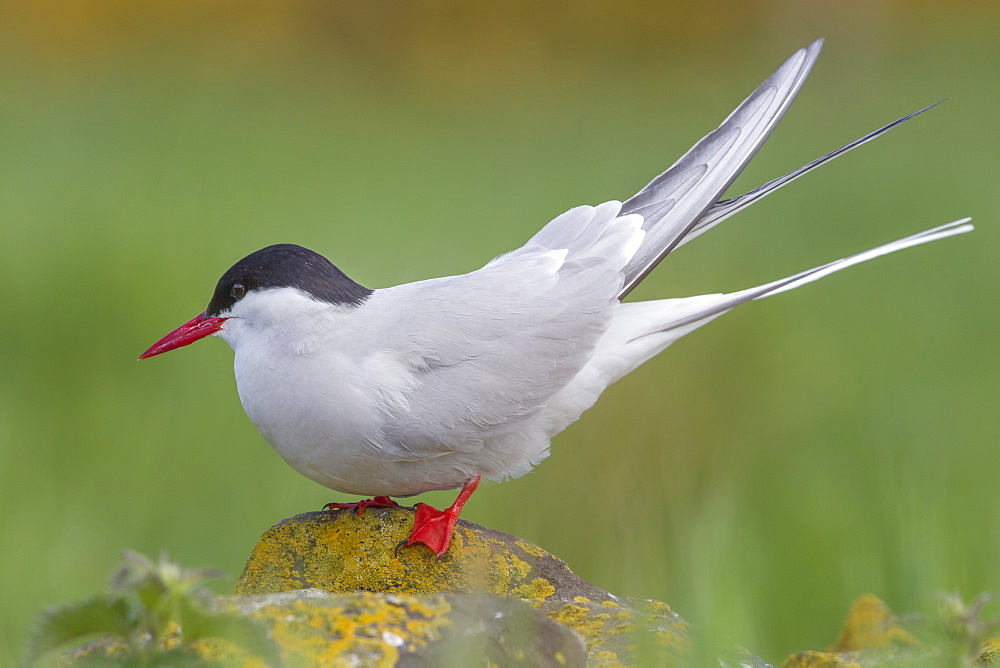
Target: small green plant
(964, 629)
(153, 614)
(960, 633)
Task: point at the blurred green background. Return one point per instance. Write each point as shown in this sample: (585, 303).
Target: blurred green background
(758, 476)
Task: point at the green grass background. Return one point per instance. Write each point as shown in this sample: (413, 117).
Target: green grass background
(758, 476)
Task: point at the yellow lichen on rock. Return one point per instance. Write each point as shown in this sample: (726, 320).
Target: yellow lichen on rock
(871, 636)
(530, 548)
(989, 652)
(818, 660)
(538, 589)
(316, 628)
(871, 625)
(600, 622)
(355, 629)
(340, 551)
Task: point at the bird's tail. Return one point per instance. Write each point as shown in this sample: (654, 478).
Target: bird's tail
(723, 209)
(648, 327)
(683, 202)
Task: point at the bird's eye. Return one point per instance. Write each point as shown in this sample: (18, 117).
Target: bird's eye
(237, 291)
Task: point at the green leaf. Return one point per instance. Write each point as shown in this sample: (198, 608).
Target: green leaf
(76, 622)
(243, 632)
(150, 592)
(135, 566)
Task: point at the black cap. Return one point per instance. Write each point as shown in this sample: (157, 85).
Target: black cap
(286, 266)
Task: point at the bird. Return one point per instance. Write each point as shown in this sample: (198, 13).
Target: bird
(439, 383)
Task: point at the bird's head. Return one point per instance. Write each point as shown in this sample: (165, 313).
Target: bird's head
(265, 286)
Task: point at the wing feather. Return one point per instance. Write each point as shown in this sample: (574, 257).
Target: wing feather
(485, 350)
(677, 199)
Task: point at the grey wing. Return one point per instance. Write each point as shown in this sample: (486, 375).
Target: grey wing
(487, 349)
(674, 202)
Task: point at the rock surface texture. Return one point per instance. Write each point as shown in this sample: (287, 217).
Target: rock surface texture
(333, 588)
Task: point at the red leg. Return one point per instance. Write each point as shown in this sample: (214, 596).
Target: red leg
(359, 506)
(434, 527)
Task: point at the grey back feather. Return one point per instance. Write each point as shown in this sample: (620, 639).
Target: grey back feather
(486, 349)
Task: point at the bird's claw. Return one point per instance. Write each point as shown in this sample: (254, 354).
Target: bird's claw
(359, 506)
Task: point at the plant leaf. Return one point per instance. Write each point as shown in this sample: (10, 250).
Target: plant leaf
(75, 622)
(135, 565)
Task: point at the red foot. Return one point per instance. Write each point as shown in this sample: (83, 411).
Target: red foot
(359, 507)
(434, 527)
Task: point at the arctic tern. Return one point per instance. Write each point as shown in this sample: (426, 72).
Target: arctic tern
(435, 384)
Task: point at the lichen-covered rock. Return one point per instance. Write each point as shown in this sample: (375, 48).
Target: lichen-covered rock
(342, 553)
(316, 628)
(871, 625)
(629, 632)
(989, 652)
(871, 636)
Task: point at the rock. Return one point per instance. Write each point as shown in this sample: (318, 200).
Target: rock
(871, 636)
(483, 575)
(339, 551)
(314, 627)
(988, 653)
(871, 625)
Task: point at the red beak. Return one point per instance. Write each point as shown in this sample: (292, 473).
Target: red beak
(186, 334)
